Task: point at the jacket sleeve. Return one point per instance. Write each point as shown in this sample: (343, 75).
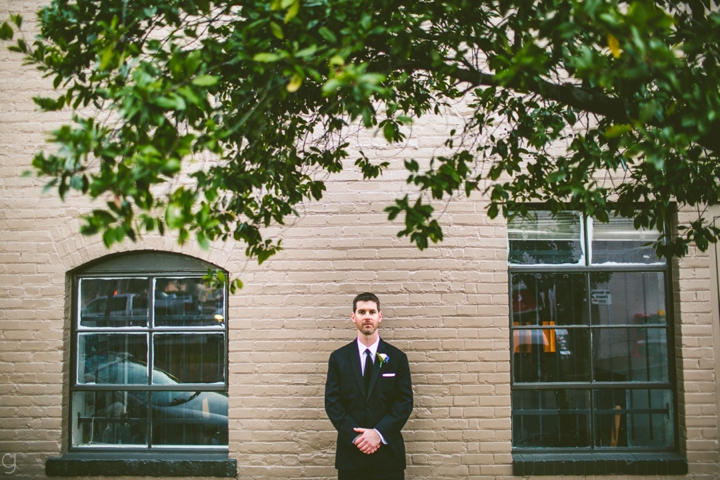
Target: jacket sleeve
(402, 406)
(340, 418)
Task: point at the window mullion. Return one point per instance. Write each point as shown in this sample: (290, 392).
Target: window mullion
(151, 361)
(587, 239)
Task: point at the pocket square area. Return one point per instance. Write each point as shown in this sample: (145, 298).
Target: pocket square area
(388, 374)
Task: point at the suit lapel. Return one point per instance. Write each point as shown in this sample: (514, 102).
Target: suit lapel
(355, 362)
(376, 369)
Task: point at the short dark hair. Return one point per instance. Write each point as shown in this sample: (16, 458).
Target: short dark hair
(366, 297)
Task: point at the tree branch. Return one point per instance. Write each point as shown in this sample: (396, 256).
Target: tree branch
(566, 94)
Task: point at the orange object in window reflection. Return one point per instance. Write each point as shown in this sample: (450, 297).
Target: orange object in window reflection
(524, 340)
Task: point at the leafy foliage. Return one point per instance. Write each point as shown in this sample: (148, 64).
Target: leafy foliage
(215, 118)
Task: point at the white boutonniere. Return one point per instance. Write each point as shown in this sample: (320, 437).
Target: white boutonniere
(382, 358)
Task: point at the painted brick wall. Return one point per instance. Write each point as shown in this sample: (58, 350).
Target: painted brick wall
(447, 307)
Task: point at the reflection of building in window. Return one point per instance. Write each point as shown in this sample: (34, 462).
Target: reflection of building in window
(590, 336)
(150, 356)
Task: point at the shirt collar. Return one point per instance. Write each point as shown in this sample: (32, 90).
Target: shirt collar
(373, 348)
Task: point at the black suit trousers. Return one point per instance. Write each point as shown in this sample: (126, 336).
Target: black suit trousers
(370, 475)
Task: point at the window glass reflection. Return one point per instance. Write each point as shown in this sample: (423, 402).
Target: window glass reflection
(109, 418)
(551, 355)
(181, 302)
(628, 298)
(619, 242)
(634, 418)
(551, 418)
(189, 358)
(630, 355)
(541, 238)
(112, 358)
(549, 299)
(114, 302)
(190, 418)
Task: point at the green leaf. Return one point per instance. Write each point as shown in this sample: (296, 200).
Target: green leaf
(106, 56)
(190, 95)
(331, 86)
(294, 83)
(493, 210)
(49, 185)
(277, 30)
(76, 182)
(203, 241)
(617, 130)
(336, 61)
(6, 31)
(206, 80)
(17, 20)
(555, 177)
(327, 35)
(267, 57)
(648, 111)
(236, 285)
(292, 11)
(306, 52)
(172, 103)
(46, 104)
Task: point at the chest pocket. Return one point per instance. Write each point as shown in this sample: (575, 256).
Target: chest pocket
(387, 382)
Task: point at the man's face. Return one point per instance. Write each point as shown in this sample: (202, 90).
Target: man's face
(366, 317)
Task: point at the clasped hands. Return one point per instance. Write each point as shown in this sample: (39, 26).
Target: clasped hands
(368, 441)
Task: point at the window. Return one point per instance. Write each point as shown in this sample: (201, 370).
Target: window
(149, 356)
(591, 337)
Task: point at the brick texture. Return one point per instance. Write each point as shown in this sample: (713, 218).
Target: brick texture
(447, 307)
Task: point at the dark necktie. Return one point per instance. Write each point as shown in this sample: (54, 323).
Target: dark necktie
(368, 368)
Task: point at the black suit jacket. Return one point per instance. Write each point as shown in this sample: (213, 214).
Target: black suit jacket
(385, 407)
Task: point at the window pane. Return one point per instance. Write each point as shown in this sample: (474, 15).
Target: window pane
(542, 239)
(109, 418)
(549, 299)
(630, 355)
(188, 302)
(113, 303)
(628, 298)
(551, 355)
(551, 418)
(189, 358)
(634, 418)
(190, 418)
(112, 358)
(619, 242)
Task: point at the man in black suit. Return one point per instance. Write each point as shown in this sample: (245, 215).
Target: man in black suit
(368, 397)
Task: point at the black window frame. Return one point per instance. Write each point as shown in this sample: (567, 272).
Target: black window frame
(147, 265)
(526, 458)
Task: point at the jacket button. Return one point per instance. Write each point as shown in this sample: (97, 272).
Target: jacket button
(367, 409)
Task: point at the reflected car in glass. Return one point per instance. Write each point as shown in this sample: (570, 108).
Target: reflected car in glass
(131, 417)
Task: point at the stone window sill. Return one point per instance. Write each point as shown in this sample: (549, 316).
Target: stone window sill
(610, 463)
(142, 465)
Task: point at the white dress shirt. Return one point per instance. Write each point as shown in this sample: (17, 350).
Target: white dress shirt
(373, 353)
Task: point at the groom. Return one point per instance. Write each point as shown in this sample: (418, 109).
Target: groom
(368, 397)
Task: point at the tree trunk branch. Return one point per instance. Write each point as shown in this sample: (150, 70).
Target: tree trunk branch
(566, 94)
